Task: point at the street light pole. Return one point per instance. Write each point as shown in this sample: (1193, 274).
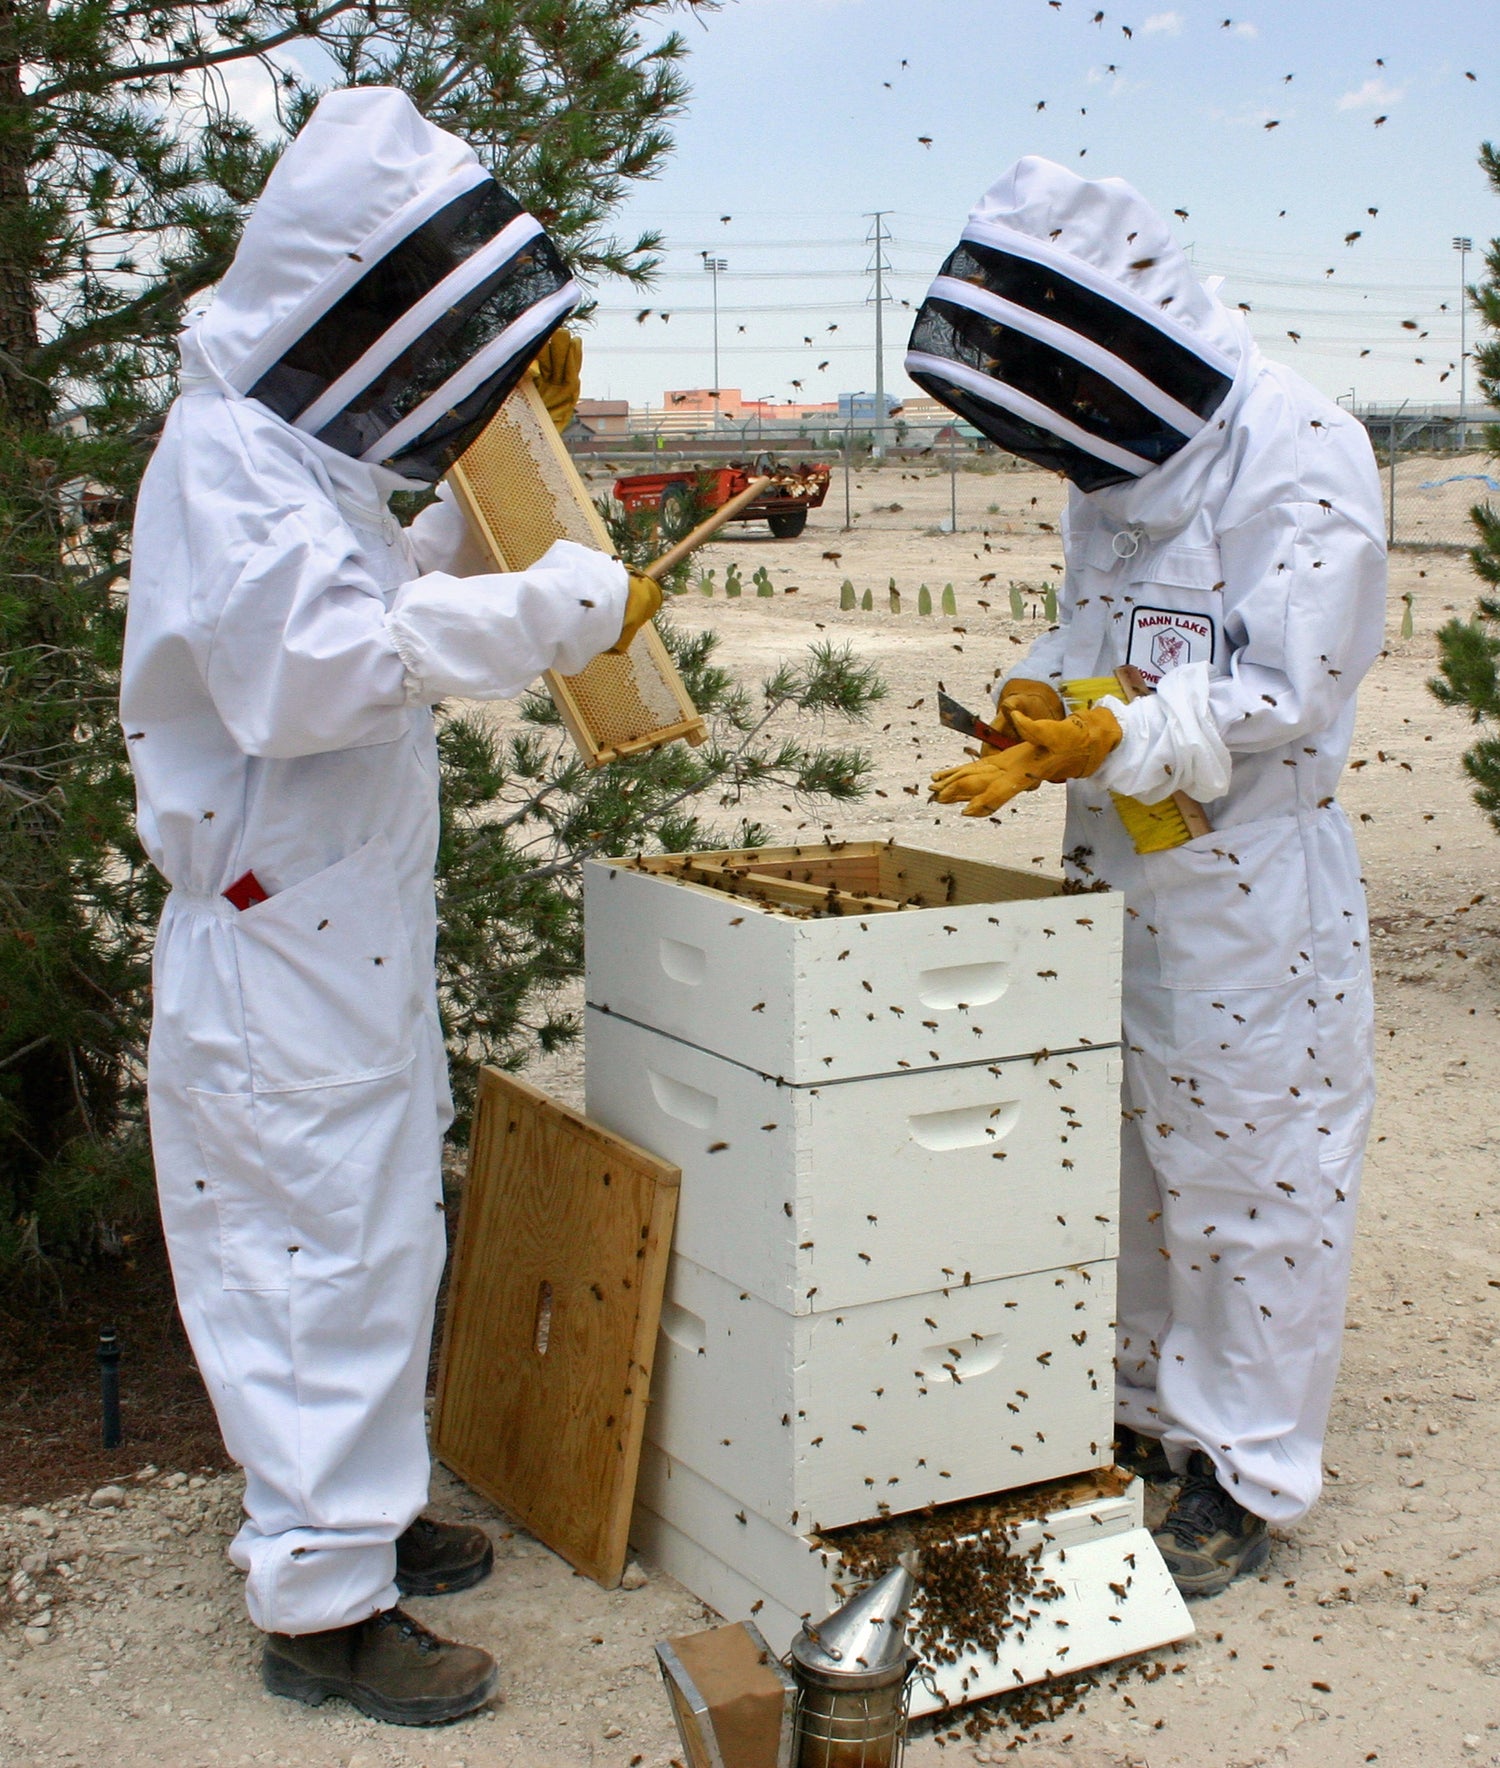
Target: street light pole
(714, 266)
(1463, 247)
(878, 237)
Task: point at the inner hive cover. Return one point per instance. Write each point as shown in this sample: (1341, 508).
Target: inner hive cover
(520, 491)
(553, 1310)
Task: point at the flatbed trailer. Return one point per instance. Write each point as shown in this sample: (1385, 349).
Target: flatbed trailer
(783, 506)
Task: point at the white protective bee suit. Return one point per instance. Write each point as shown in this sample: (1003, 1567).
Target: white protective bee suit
(286, 643)
(1223, 534)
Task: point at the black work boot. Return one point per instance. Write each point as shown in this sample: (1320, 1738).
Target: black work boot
(1141, 1455)
(1207, 1538)
(389, 1666)
(433, 1558)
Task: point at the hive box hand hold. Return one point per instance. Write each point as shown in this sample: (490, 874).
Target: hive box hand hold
(812, 964)
(820, 1197)
(836, 1417)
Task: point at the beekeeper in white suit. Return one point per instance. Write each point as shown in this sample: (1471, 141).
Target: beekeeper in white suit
(287, 641)
(1224, 536)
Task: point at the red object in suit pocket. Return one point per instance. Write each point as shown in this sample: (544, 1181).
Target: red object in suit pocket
(246, 891)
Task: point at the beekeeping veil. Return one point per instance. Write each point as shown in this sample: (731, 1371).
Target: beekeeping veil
(1069, 328)
(387, 293)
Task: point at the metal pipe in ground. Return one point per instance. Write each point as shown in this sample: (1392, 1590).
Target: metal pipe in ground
(110, 1433)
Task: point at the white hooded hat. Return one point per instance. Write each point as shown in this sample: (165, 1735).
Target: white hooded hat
(1069, 328)
(387, 293)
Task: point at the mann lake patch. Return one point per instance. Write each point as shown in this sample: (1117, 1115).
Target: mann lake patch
(1163, 639)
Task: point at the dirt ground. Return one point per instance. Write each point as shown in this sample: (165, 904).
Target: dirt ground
(1374, 1636)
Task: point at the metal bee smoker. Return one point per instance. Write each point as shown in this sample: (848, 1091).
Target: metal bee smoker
(853, 1675)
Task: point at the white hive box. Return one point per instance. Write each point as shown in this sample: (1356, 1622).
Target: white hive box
(1116, 1595)
(878, 958)
(830, 1418)
(830, 1196)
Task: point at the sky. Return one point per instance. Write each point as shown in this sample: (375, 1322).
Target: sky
(808, 115)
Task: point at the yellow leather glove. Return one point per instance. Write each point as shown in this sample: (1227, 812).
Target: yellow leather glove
(1073, 747)
(1051, 750)
(559, 373)
(642, 604)
(1037, 699)
(994, 779)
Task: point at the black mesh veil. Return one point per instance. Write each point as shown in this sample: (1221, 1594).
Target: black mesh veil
(384, 295)
(1050, 376)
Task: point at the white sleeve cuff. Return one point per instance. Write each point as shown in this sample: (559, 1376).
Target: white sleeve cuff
(1170, 742)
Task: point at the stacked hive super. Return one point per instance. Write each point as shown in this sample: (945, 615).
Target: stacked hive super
(891, 1081)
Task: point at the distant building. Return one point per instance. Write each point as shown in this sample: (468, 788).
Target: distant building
(860, 407)
(605, 418)
(732, 406)
(700, 400)
(922, 408)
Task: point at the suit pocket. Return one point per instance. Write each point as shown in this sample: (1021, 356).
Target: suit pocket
(255, 1228)
(295, 1174)
(325, 977)
(1232, 908)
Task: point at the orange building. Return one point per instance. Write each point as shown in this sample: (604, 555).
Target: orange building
(733, 406)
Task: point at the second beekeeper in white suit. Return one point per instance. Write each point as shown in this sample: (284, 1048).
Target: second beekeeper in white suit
(1224, 537)
(287, 640)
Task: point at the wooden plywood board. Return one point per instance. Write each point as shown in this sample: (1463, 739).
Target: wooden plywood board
(520, 492)
(552, 1319)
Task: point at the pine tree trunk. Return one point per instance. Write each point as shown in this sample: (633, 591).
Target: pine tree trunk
(22, 402)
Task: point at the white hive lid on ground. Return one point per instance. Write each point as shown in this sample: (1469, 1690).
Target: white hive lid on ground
(1108, 1594)
(811, 964)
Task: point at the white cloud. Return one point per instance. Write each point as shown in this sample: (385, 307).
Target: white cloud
(1372, 95)
(1245, 29)
(1166, 23)
(1117, 83)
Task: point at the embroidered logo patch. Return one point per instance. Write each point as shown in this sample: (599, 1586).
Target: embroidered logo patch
(1163, 639)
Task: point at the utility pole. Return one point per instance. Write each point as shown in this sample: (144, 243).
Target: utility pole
(878, 237)
(1463, 247)
(715, 267)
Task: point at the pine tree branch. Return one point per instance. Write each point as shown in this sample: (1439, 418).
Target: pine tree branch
(162, 299)
(96, 80)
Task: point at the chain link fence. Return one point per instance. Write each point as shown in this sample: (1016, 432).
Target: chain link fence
(1428, 497)
(1434, 468)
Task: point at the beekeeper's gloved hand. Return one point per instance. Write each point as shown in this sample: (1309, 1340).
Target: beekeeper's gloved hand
(643, 601)
(559, 372)
(1073, 747)
(1050, 750)
(994, 779)
(1037, 699)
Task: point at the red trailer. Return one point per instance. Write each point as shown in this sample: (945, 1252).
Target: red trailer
(783, 505)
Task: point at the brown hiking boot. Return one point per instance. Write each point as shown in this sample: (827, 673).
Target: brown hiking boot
(433, 1558)
(1208, 1539)
(389, 1666)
